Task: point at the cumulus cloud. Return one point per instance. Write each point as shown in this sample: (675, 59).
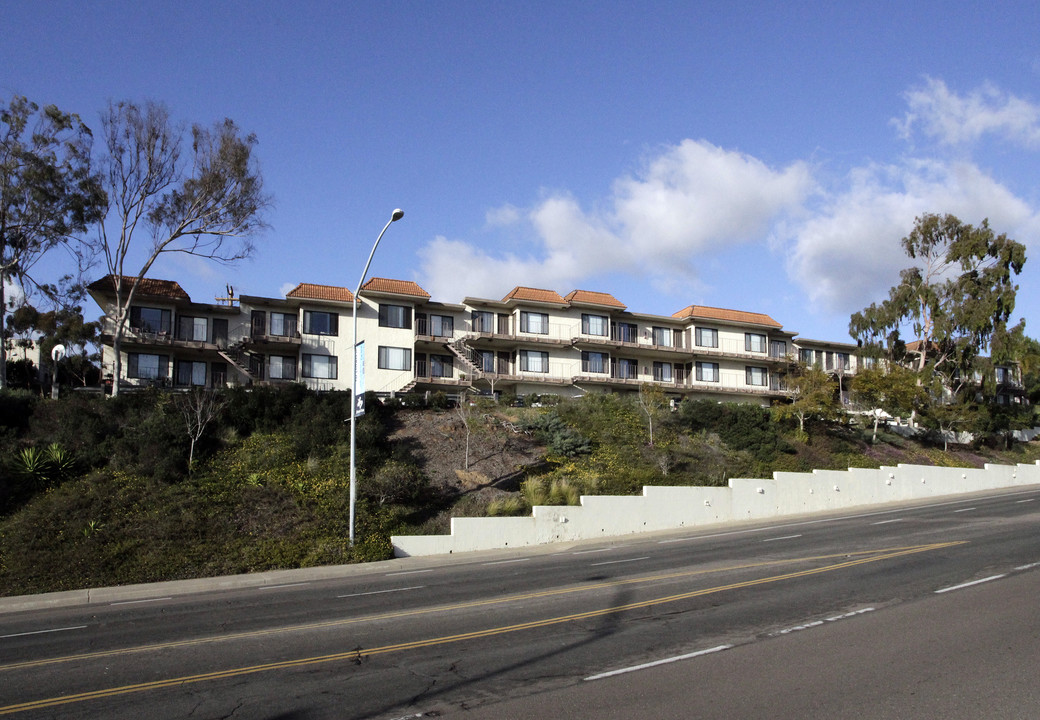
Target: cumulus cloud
(692, 203)
(690, 199)
(848, 253)
(954, 119)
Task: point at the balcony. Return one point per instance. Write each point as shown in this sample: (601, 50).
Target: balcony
(273, 342)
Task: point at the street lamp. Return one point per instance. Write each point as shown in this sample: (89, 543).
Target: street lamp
(356, 402)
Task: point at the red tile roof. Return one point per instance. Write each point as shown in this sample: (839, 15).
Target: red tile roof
(534, 295)
(710, 313)
(395, 287)
(594, 298)
(310, 291)
(150, 287)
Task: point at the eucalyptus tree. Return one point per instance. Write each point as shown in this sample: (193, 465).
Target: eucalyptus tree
(48, 194)
(205, 199)
(954, 301)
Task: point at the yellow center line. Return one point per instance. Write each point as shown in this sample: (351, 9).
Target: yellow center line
(477, 634)
(426, 611)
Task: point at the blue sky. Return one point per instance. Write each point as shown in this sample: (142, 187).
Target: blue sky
(759, 156)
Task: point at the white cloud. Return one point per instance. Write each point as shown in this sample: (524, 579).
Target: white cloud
(848, 254)
(692, 203)
(692, 199)
(954, 119)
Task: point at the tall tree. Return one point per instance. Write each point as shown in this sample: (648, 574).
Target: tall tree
(48, 194)
(955, 300)
(207, 202)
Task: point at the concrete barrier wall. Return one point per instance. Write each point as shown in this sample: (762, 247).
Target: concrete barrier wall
(671, 508)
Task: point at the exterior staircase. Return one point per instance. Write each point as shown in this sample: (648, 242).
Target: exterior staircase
(237, 356)
(461, 349)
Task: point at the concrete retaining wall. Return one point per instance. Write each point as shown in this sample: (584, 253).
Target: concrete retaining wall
(671, 508)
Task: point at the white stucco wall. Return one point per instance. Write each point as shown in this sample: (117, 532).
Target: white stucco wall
(670, 508)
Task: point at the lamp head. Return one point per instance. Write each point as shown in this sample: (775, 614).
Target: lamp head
(398, 214)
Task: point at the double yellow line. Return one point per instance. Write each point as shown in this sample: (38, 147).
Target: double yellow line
(870, 557)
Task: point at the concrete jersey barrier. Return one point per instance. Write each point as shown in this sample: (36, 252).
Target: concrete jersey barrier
(672, 508)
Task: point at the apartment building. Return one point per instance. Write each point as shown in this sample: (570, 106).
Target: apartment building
(532, 341)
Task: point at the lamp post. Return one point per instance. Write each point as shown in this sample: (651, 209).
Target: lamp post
(354, 400)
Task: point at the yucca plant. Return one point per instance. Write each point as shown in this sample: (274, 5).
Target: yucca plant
(33, 465)
(62, 463)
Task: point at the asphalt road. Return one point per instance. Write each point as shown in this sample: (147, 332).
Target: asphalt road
(926, 610)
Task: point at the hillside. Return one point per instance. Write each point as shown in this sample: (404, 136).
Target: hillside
(98, 492)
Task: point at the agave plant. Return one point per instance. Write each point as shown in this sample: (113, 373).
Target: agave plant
(62, 463)
(32, 464)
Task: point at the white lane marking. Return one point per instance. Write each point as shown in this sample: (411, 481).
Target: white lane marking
(785, 537)
(279, 587)
(1030, 566)
(42, 632)
(841, 517)
(817, 623)
(506, 562)
(380, 592)
(966, 509)
(1018, 502)
(599, 550)
(139, 602)
(409, 572)
(655, 663)
(969, 584)
(886, 522)
(615, 562)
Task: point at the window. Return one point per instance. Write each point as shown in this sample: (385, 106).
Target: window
(320, 323)
(756, 376)
(625, 332)
(593, 362)
(707, 337)
(662, 336)
(532, 322)
(626, 369)
(707, 372)
(192, 328)
(284, 325)
(753, 342)
(662, 372)
(442, 325)
(191, 373)
(594, 325)
(282, 367)
(1003, 375)
(441, 366)
(394, 358)
(485, 360)
(534, 361)
(868, 363)
(395, 316)
(806, 356)
(778, 348)
(154, 320)
(841, 362)
(322, 367)
(147, 367)
(483, 321)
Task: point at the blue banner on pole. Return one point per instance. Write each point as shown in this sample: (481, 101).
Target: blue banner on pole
(359, 379)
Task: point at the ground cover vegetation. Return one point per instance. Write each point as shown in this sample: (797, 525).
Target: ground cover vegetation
(99, 491)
